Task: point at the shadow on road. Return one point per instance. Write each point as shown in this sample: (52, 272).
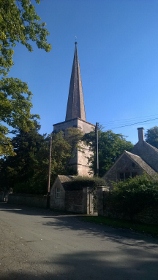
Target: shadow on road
(92, 266)
(24, 210)
(61, 221)
(131, 257)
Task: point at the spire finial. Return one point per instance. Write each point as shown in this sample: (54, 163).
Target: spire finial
(75, 40)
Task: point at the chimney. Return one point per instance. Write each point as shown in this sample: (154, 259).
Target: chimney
(140, 134)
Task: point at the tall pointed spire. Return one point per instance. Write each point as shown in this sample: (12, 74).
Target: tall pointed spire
(75, 104)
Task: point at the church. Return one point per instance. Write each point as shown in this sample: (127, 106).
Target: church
(76, 118)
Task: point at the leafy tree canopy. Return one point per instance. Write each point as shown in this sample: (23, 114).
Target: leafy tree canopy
(64, 145)
(27, 171)
(152, 136)
(110, 147)
(78, 182)
(19, 23)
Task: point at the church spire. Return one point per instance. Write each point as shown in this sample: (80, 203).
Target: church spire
(75, 104)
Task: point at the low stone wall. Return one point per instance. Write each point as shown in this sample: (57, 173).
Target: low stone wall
(28, 199)
(1, 196)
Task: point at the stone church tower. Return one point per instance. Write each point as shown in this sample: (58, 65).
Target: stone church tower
(76, 117)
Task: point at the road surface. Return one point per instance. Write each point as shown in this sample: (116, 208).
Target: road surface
(40, 244)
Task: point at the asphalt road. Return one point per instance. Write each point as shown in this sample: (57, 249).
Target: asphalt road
(41, 244)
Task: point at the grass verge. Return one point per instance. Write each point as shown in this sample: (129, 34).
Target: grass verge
(116, 223)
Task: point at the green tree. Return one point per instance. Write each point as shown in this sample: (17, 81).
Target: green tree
(27, 171)
(19, 23)
(60, 154)
(15, 109)
(64, 146)
(110, 147)
(152, 136)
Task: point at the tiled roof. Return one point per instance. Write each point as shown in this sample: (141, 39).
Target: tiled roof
(152, 147)
(65, 178)
(141, 163)
(148, 153)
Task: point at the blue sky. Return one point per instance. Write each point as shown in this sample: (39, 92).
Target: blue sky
(118, 54)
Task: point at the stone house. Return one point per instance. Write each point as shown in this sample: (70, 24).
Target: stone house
(69, 198)
(142, 159)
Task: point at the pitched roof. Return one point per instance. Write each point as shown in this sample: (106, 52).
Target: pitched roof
(148, 153)
(138, 160)
(141, 163)
(75, 104)
(65, 178)
(143, 154)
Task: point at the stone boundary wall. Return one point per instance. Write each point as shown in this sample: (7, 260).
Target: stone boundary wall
(28, 200)
(1, 197)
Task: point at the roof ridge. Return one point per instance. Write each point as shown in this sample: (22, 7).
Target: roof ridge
(151, 146)
(131, 153)
(142, 161)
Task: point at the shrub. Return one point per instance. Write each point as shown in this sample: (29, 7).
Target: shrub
(79, 182)
(130, 197)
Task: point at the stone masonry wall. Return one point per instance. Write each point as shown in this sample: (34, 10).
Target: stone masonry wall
(80, 161)
(57, 203)
(74, 201)
(29, 200)
(78, 123)
(83, 156)
(64, 125)
(125, 164)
